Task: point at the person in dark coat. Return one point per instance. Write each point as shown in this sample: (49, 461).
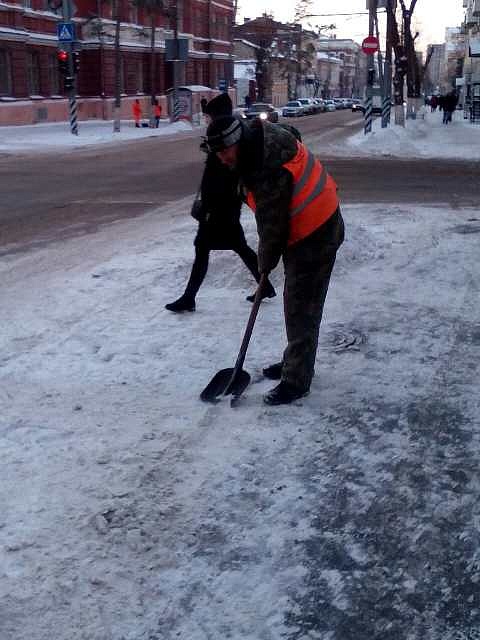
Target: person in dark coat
(219, 225)
(449, 105)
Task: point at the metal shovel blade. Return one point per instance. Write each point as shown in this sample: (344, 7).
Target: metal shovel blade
(222, 385)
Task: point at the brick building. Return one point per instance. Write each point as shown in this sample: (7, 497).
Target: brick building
(285, 58)
(31, 89)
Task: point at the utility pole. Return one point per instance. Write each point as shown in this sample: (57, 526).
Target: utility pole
(70, 79)
(372, 10)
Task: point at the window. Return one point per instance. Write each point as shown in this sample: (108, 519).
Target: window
(5, 73)
(140, 78)
(33, 73)
(133, 13)
(53, 75)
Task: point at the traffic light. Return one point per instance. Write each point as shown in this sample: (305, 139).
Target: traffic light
(62, 57)
(76, 61)
(69, 83)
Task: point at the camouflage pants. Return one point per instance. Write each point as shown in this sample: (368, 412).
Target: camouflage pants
(308, 267)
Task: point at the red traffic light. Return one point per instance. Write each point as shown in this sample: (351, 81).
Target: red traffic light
(62, 56)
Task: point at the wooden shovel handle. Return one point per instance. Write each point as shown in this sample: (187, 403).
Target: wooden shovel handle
(251, 323)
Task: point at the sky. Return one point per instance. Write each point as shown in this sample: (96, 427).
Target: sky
(430, 21)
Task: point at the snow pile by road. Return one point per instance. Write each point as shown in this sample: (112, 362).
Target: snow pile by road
(48, 136)
(132, 511)
(428, 138)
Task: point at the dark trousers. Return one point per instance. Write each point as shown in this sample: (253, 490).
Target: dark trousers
(308, 267)
(200, 265)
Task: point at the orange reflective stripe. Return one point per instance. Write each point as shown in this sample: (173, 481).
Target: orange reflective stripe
(251, 201)
(314, 197)
(305, 175)
(314, 215)
(319, 186)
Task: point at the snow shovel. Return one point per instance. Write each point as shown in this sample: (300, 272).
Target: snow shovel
(235, 381)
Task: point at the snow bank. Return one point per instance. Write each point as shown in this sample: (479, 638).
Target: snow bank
(428, 138)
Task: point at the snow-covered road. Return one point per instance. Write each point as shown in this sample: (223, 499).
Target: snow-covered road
(131, 511)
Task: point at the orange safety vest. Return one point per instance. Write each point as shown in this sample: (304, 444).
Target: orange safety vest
(314, 198)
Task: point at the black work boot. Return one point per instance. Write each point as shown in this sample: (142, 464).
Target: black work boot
(284, 393)
(274, 371)
(184, 303)
(268, 292)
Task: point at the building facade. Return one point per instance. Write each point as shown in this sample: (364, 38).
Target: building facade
(471, 66)
(285, 57)
(353, 72)
(31, 89)
(436, 69)
(329, 69)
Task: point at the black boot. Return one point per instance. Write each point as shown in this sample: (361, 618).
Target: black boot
(274, 371)
(182, 304)
(284, 393)
(268, 292)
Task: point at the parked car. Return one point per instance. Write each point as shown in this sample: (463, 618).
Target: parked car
(307, 104)
(330, 105)
(263, 111)
(339, 104)
(348, 102)
(320, 104)
(293, 109)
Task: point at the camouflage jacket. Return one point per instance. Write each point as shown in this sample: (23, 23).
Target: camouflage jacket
(264, 149)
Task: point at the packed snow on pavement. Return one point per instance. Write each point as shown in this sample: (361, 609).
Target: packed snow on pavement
(57, 136)
(132, 511)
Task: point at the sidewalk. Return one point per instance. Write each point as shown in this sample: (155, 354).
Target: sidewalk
(51, 136)
(421, 138)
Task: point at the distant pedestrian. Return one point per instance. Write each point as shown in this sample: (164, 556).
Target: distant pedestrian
(203, 104)
(433, 103)
(157, 113)
(449, 106)
(137, 112)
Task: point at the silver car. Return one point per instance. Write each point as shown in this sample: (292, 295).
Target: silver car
(330, 105)
(293, 109)
(308, 105)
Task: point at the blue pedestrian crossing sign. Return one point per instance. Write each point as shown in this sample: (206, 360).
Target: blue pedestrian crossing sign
(66, 31)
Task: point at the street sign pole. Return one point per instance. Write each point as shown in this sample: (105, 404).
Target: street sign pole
(370, 68)
(175, 115)
(72, 90)
(386, 114)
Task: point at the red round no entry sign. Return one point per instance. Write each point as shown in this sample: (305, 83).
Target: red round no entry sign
(370, 45)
